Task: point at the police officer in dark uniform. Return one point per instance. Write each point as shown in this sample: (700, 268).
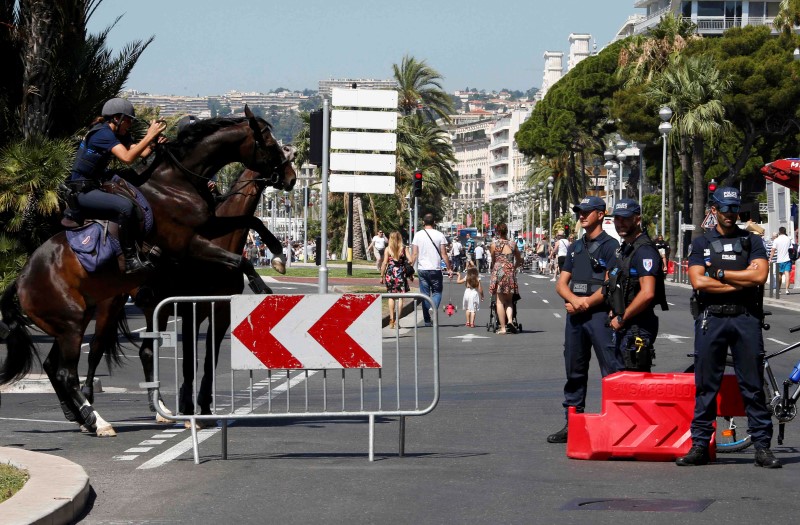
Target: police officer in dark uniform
(106, 138)
(728, 267)
(635, 286)
(581, 287)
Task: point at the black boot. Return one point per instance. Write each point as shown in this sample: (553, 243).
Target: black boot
(765, 458)
(558, 437)
(698, 455)
(129, 251)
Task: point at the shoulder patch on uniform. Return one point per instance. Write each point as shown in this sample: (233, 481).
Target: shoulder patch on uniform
(648, 264)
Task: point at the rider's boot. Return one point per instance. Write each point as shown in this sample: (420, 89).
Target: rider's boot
(132, 262)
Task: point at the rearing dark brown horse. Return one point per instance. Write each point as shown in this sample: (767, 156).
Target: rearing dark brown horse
(60, 297)
(195, 279)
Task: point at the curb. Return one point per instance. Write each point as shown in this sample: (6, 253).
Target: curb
(56, 492)
(772, 303)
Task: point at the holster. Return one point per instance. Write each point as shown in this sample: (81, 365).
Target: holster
(695, 307)
(639, 354)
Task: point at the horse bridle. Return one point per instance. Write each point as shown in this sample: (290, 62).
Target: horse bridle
(259, 143)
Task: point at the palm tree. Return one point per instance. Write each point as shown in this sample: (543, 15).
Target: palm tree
(643, 60)
(693, 87)
(788, 16)
(418, 87)
(566, 188)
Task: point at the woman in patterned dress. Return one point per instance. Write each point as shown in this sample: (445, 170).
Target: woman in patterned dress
(505, 261)
(393, 271)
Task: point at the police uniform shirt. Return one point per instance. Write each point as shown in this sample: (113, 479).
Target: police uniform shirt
(646, 262)
(606, 254)
(701, 252)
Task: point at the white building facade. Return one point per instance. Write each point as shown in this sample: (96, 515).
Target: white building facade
(711, 17)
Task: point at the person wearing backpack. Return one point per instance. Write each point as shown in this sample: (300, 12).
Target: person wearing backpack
(635, 286)
(780, 249)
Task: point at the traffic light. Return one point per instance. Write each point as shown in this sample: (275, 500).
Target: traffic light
(417, 183)
(566, 230)
(315, 138)
(712, 186)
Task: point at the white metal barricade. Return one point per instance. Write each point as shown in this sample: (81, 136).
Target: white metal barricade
(405, 384)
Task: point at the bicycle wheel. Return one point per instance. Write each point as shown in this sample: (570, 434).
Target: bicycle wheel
(729, 437)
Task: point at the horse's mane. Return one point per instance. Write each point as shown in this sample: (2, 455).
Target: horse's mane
(191, 135)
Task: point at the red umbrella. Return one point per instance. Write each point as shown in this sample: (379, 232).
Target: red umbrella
(785, 172)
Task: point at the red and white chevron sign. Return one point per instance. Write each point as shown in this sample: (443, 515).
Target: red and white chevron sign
(306, 331)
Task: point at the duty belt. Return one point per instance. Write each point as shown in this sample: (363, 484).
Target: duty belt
(726, 309)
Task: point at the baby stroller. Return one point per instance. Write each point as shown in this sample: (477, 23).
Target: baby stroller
(493, 324)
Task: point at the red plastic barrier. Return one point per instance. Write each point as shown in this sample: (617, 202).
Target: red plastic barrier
(670, 267)
(645, 417)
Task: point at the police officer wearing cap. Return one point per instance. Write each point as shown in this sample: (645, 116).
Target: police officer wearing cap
(581, 286)
(635, 286)
(109, 137)
(728, 267)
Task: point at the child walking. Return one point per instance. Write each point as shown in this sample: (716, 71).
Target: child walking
(473, 295)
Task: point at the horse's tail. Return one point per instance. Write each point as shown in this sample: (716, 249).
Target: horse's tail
(13, 332)
(114, 353)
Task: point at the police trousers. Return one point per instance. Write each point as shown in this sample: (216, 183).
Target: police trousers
(582, 332)
(742, 334)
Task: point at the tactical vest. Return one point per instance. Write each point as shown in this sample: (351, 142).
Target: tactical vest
(588, 272)
(734, 259)
(90, 164)
(623, 287)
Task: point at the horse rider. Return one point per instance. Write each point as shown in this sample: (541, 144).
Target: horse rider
(109, 136)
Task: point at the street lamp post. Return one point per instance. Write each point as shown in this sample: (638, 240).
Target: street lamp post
(621, 156)
(609, 166)
(664, 128)
(550, 204)
(541, 208)
(596, 173)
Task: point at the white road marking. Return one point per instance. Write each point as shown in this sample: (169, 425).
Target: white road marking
(186, 445)
(152, 442)
(557, 315)
(125, 458)
(671, 304)
(138, 450)
(545, 301)
(672, 338)
(534, 291)
(163, 436)
(776, 341)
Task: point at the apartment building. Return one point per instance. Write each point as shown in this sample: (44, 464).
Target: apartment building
(507, 166)
(711, 17)
(199, 106)
(470, 142)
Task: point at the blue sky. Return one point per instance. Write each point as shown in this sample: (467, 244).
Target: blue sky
(207, 47)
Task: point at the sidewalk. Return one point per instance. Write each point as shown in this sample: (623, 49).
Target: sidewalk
(788, 302)
(56, 491)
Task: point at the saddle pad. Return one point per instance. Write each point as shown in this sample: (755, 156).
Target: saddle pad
(140, 199)
(93, 247)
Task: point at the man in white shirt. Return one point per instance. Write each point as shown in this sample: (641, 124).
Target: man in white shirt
(428, 250)
(479, 257)
(455, 251)
(780, 251)
(378, 245)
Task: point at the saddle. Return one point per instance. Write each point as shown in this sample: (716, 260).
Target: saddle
(96, 242)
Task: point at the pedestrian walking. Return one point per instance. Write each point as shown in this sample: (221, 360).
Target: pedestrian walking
(780, 254)
(393, 272)
(428, 252)
(581, 287)
(505, 261)
(479, 261)
(473, 295)
(378, 246)
(727, 268)
(635, 287)
(456, 252)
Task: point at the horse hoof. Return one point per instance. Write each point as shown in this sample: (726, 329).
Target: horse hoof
(200, 424)
(279, 265)
(106, 432)
(85, 430)
(164, 419)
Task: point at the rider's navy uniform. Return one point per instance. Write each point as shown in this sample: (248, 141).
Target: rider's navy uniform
(729, 320)
(90, 171)
(587, 261)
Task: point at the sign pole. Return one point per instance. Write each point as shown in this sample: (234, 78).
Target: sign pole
(323, 269)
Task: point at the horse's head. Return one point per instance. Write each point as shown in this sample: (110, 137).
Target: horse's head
(272, 160)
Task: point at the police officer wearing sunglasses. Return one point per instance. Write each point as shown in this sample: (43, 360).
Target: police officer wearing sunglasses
(728, 267)
(580, 284)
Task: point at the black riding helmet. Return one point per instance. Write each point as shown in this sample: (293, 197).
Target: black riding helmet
(118, 106)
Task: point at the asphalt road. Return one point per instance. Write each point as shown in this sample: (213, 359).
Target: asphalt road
(479, 457)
